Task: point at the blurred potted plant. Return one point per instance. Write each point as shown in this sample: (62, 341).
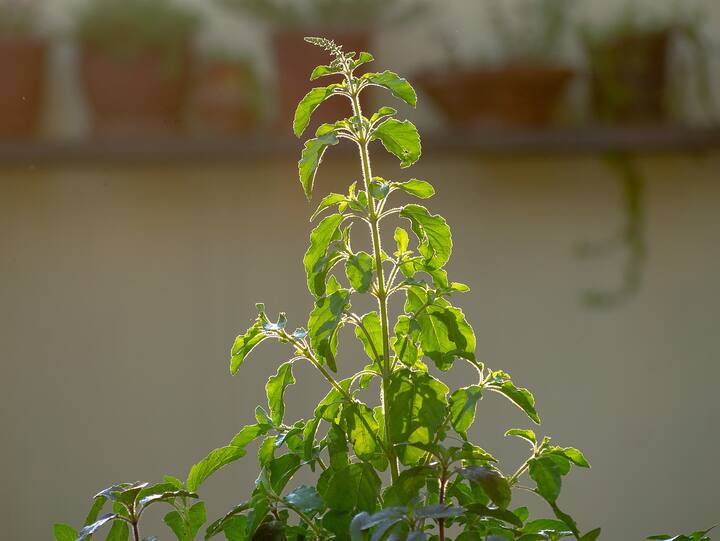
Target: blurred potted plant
(350, 22)
(226, 98)
(135, 62)
(519, 89)
(629, 63)
(22, 65)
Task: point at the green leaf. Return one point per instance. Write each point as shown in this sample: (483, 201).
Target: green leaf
(275, 389)
(418, 188)
(244, 344)
(400, 138)
(382, 113)
(547, 472)
(407, 486)
(416, 412)
(445, 334)
(571, 453)
(404, 343)
(547, 525)
(399, 86)
(98, 504)
(527, 435)
(355, 487)
(463, 404)
(317, 261)
(364, 58)
(361, 429)
(372, 341)
(433, 233)
(324, 71)
(324, 323)
(592, 535)
(501, 514)
(359, 271)
(179, 527)
(119, 531)
(307, 107)
(492, 482)
(327, 202)
(379, 189)
(223, 456)
(63, 532)
(306, 499)
(280, 470)
(522, 398)
(311, 158)
(402, 240)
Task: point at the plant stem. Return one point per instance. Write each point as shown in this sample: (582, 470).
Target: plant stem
(441, 521)
(382, 292)
(136, 531)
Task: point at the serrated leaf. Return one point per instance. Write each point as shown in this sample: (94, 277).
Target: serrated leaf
(398, 86)
(223, 456)
(359, 271)
(317, 261)
(325, 321)
(400, 138)
(418, 188)
(307, 107)
(275, 389)
(416, 412)
(492, 482)
(244, 344)
(311, 157)
(433, 233)
(527, 435)
(463, 404)
(64, 532)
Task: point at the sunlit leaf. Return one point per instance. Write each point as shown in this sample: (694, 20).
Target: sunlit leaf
(400, 138)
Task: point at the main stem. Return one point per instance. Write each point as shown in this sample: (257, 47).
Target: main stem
(381, 287)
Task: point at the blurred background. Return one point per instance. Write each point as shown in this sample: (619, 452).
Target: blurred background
(148, 198)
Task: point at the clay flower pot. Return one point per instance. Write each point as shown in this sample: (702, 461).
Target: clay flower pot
(225, 99)
(515, 96)
(629, 78)
(295, 61)
(22, 85)
(143, 94)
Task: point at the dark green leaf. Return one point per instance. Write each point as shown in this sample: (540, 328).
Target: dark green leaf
(379, 188)
(400, 138)
(317, 261)
(407, 486)
(592, 535)
(399, 86)
(119, 531)
(463, 404)
(280, 470)
(433, 233)
(244, 344)
(404, 343)
(306, 499)
(223, 456)
(416, 412)
(312, 156)
(354, 487)
(418, 188)
(63, 532)
(547, 471)
(498, 513)
(437, 511)
(307, 106)
(359, 271)
(275, 389)
(492, 482)
(325, 321)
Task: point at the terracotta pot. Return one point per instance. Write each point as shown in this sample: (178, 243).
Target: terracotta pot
(295, 60)
(629, 78)
(225, 99)
(507, 97)
(140, 95)
(22, 85)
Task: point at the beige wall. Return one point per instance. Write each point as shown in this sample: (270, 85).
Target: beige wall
(121, 289)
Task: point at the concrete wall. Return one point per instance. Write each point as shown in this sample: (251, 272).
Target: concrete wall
(122, 289)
